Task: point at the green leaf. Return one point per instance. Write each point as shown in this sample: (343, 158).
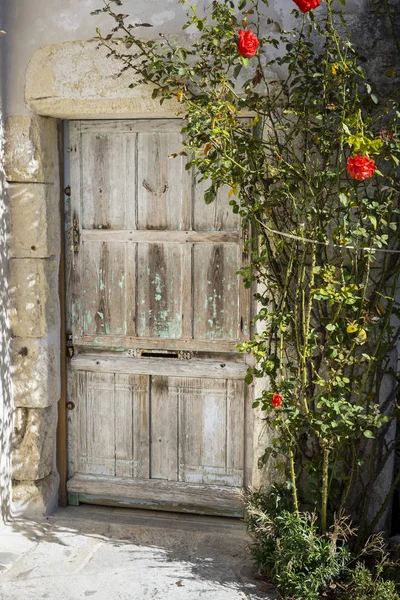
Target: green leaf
(237, 70)
(342, 2)
(346, 129)
(373, 220)
(374, 98)
(330, 327)
(368, 434)
(242, 4)
(248, 378)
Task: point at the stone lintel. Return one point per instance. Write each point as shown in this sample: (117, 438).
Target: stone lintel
(76, 80)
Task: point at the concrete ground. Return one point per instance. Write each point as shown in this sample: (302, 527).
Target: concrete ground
(106, 553)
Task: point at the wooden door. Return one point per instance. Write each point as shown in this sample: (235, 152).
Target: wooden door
(159, 412)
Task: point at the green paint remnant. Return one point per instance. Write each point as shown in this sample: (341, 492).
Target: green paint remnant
(102, 286)
(101, 315)
(121, 282)
(120, 349)
(89, 318)
(108, 330)
(157, 297)
(157, 282)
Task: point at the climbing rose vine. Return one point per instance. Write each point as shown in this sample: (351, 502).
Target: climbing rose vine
(323, 258)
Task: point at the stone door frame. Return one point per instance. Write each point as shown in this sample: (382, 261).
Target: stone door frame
(73, 80)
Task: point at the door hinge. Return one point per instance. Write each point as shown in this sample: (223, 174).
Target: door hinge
(75, 234)
(70, 345)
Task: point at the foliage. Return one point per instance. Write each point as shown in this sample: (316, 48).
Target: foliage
(323, 247)
(365, 586)
(306, 565)
(290, 551)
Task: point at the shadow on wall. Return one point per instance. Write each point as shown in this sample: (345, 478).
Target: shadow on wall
(375, 36)
(5, 367)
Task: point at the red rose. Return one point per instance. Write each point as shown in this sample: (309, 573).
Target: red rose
(247, 44)
(276, 400)
(360, 167)
(306, 5)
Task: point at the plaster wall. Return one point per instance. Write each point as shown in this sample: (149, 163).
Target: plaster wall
(55, 72)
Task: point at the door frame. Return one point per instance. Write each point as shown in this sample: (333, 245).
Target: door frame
(62, 431)
(51, 99)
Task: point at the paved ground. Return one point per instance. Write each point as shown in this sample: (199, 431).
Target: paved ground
(122, 554)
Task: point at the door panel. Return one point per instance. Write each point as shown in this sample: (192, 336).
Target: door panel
(159, 298)
(151, 279)
(218, 215)
(109, 180)
(103, 301)
(164, 189)
(216, 291)
(211, 412)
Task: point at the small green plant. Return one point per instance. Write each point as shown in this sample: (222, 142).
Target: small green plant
(365, 585)
(289, 549)
(304, 564)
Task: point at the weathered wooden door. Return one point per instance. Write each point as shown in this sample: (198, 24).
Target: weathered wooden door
(159, 412)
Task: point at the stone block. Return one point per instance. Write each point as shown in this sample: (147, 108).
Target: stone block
(34, 220)
(31, 152)
(36, 371)
(77, 80)
(35, 498)
(33, 443)
(34, 301)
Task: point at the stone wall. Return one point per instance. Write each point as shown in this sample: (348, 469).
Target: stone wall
(32, 172)
(5, 370)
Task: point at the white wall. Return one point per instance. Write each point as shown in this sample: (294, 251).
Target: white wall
(32, 24)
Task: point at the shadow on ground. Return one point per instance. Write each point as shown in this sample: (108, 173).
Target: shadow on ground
(109, 553)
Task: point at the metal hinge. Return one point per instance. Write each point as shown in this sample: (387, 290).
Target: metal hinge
(75, 234)
(70, 345)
